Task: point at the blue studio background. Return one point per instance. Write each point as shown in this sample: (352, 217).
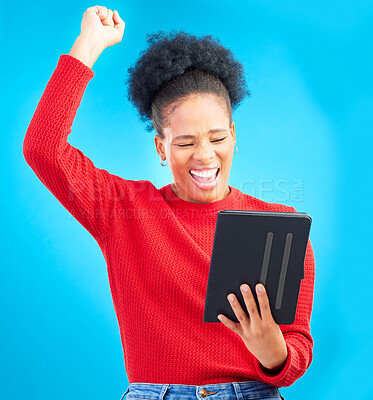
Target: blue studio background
(304, 140)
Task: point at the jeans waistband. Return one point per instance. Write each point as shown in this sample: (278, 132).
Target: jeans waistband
(211, 391)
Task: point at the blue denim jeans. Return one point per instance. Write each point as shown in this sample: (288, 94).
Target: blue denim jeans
(213, 391)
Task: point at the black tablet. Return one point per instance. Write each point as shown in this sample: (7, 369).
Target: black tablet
(257, 247)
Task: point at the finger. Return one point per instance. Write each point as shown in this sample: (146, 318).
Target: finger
(250, 302)
(118, 22)
(236, 306)
(94, 8)
(108, 21)
(265, 309)
(230, 324)
(102, 12)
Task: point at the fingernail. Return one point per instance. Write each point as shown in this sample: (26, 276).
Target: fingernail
(231, 297)
(245, 288)
(260, 288)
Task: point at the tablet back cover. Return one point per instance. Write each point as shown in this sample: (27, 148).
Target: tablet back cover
(252, 247)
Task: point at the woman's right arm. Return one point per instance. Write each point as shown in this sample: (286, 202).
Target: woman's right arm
(88, 193)
(100, 28)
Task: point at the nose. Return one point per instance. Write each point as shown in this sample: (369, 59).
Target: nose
(204, 152)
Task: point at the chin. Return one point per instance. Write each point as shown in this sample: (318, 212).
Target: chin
(206, 196)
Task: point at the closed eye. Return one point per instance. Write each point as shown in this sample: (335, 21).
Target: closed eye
(191, 144)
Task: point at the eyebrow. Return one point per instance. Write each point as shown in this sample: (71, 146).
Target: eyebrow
(192, 136)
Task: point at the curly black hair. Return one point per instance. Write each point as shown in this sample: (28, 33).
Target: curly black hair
(176, 65)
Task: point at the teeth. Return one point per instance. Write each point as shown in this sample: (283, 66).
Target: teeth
(204, 174)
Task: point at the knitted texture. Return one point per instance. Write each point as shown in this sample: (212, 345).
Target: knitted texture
(158, 249)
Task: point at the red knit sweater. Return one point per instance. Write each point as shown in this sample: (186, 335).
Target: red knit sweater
(158, 249)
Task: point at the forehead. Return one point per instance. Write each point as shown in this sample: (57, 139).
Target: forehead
(198, 114)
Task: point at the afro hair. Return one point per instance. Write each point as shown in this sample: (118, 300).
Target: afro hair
(170, 55)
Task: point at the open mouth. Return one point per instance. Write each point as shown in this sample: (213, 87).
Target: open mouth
(205, 182)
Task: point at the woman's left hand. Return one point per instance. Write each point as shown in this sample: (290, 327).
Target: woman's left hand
(260, 333)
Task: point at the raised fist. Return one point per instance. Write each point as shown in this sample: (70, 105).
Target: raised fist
(102, 26)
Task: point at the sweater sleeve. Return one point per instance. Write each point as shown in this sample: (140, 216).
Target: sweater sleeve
(297, 335)
(88, 193)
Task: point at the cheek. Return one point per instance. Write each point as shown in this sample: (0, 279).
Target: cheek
(225, 154)
(226, 158)
(179, 162)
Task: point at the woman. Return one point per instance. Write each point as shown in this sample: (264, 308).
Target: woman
(157, 242)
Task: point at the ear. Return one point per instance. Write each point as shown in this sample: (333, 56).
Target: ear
(233, 132)
(159, 146)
